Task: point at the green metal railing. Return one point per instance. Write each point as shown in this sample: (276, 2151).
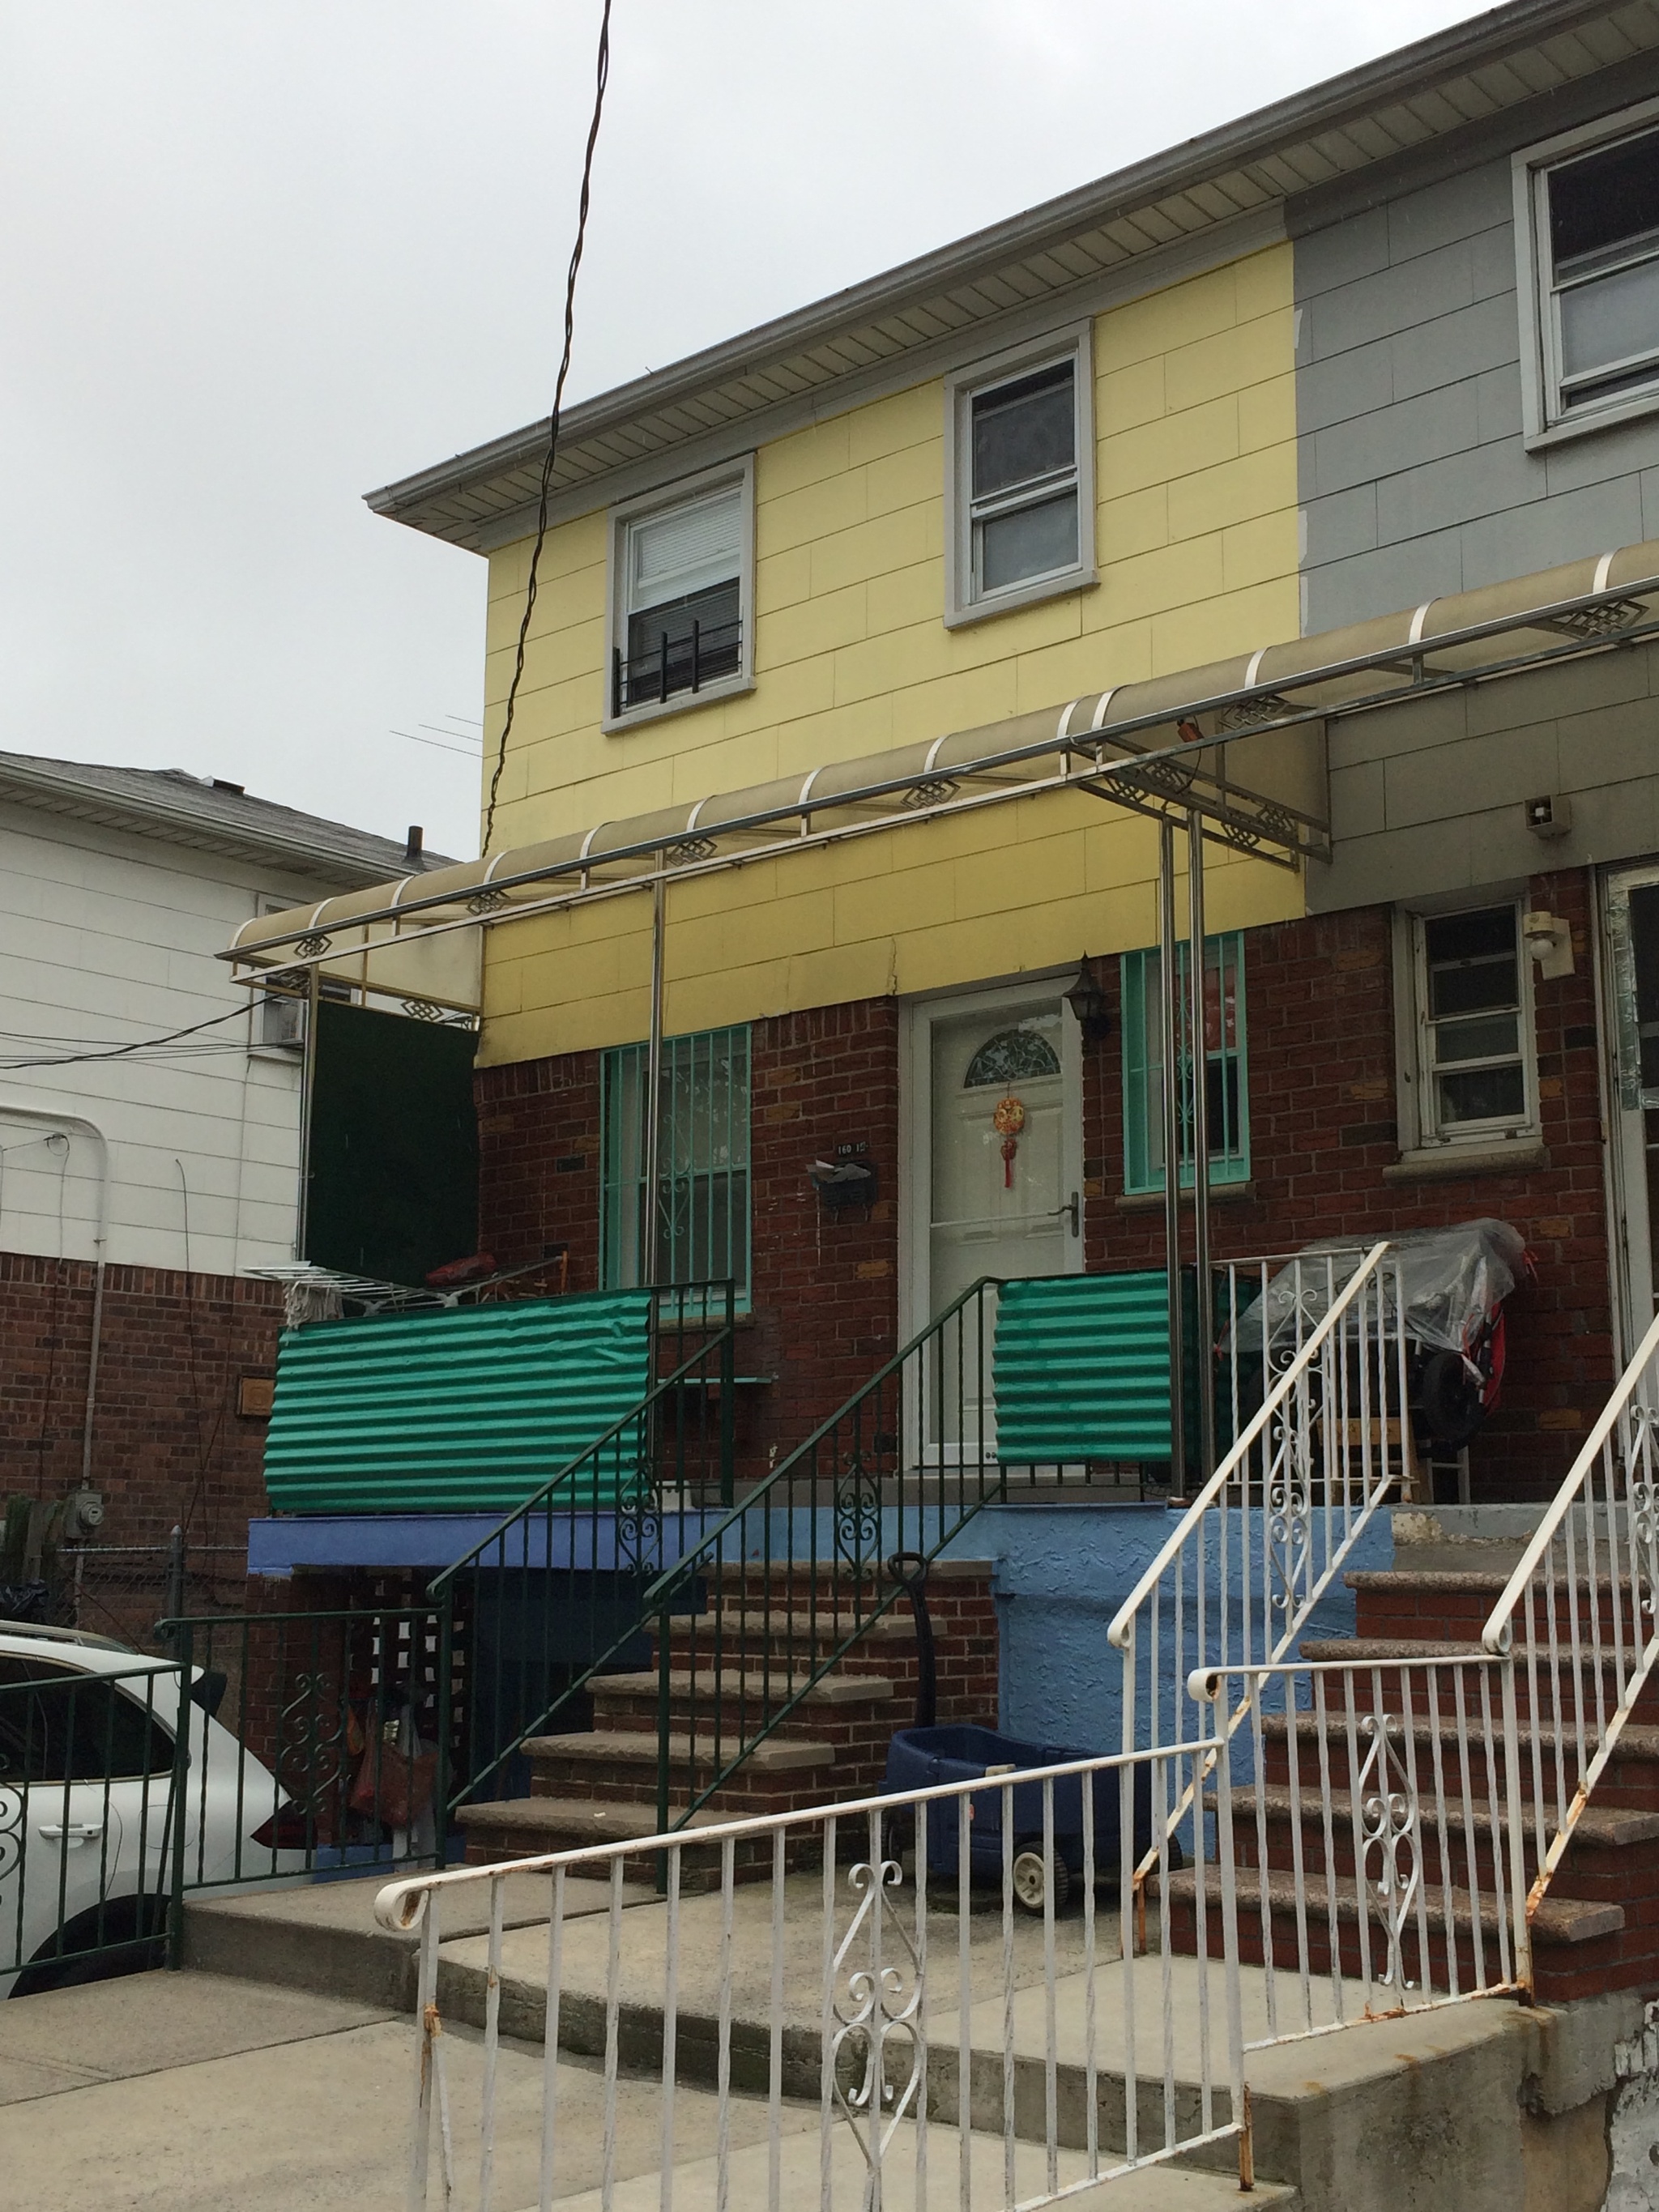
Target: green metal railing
(795, 1575)
(555, 1593)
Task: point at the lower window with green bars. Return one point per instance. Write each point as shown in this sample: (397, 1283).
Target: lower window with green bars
(1225, 1065)
(702, 1209)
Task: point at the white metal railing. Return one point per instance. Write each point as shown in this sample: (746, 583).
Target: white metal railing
(835, 2009)
(1264, 1539)
(1577, 1627)
(1372, 1811)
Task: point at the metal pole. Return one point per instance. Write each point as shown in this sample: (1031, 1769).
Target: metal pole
(653, 1085)
(307, 1099)
(1170, 1014)
(1205, 1326)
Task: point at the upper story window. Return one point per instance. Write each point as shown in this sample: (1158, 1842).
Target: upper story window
(1020, 480)
(681, 596)
(1469, 1063)
(1587, 223)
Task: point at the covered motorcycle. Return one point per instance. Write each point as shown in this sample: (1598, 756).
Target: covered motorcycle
(1452, 1284)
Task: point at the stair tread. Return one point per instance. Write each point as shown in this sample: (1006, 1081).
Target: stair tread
(1555, 1919)
(638, 1748)
(1613, 1826)
(753, 1624)
(1636, 1741)
(1388, 1648)
(833, 1690)
(598, 1819)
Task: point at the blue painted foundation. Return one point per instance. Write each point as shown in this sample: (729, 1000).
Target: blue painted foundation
(1059, 1574)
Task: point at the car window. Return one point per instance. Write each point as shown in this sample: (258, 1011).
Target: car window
(60, 1724)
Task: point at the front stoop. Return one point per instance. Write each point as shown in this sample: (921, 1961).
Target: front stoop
(829, 1745)
(1596, 1931)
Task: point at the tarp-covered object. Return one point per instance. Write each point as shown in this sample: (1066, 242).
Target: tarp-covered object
(468, 1409)
(1451, 1281)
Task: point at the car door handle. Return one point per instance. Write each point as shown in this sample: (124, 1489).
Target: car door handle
(71, 1832)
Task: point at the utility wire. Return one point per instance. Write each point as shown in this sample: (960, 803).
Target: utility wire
(121, 1051)
(601, 72)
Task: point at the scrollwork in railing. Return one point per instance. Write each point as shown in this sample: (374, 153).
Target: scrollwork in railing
(858, 1515)
(882, 2004)
(14, 1804)
(1287, 1535)
(1391, 1857)
(310, 1746)
(639, 1518)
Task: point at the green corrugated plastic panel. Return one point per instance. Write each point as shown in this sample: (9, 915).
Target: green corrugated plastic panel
(1081, 1369)
(470, 1409)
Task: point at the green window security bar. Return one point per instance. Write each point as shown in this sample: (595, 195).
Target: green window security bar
(703, 1198)
(1225, 1067)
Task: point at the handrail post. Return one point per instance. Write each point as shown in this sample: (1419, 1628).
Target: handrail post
(182, 1640)
(1169, 1030)
(446, 1718)
(1518, 1884)
(665, 1713)
(728, 1395)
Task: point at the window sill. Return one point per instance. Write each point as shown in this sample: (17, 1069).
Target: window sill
(1144, 1201)
(1449, 1163)
(1570, 427)
(677, 702)
(1022, 595)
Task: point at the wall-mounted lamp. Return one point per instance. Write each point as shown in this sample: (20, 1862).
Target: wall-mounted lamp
(1087, 1000)
(1549, 940)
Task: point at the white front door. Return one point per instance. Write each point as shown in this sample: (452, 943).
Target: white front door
(1632, 910)
(995, 1164)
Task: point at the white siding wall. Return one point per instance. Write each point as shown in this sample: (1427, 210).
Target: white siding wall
(103, 937)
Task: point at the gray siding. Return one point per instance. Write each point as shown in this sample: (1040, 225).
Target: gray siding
(1413, 479)
(1430, 795)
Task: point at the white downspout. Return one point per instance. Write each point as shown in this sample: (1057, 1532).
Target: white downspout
(65, 1123)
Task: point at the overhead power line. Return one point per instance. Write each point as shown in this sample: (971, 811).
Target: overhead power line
(601, 72)
(123, 1051)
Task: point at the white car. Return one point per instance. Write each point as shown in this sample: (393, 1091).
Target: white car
(88, 1817)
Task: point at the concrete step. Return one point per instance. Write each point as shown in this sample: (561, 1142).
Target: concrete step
(758, 1686)
(1556, 1920)
(1603, 1828)
(1393, 1651)
(615, 1750)
(756, 1628)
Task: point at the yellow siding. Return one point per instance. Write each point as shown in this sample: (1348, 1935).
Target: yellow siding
(1196, 548)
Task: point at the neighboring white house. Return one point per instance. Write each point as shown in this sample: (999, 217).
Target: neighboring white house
(118, 888)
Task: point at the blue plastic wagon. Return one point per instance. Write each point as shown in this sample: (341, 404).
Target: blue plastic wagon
(918, 1757)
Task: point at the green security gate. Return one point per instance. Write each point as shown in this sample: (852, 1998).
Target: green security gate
(469, 1409)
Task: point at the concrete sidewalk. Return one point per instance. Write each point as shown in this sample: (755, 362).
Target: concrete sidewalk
(197, 2093)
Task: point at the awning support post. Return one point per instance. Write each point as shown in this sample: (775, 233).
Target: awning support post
(1169, 1018)
(1198, 1031)
(648, 1257)
(308, 1109)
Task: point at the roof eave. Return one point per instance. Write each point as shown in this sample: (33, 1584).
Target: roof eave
(1326, 106)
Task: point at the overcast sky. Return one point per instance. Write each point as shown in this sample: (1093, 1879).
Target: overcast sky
(256, 259)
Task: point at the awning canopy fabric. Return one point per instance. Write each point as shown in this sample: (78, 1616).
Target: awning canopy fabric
(1240, 742)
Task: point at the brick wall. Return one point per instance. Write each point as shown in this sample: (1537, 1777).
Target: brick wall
(824, 1286)
(1320, 1001)
(1319, 995)
(168, 1444)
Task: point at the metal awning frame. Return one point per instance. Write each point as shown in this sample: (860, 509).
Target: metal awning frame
(1168, 782)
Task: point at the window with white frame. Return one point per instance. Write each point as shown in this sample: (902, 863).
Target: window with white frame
(1021, 481)
(1473, 1074)
(279, 1017)
(680, 616)
(1587, 227)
